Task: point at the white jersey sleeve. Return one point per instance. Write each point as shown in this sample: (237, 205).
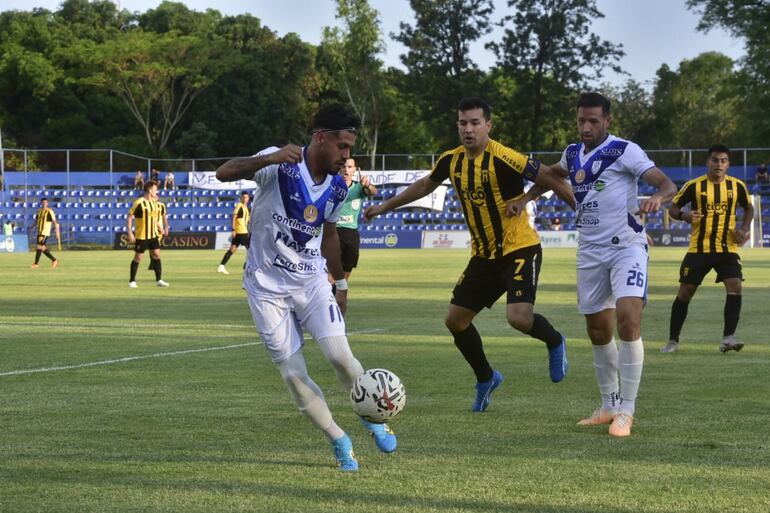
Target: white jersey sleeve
(263, 175)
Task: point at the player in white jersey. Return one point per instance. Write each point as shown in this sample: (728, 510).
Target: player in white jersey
(294, 241)
(604, 171)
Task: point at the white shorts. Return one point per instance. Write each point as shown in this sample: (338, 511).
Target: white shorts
(280, 319)
(605, 274)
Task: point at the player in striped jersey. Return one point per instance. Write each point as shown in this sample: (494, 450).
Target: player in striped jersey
(506, 252)
(713, 200)
(162, 213)
(145, 212)
(240, 236)
(45, 219)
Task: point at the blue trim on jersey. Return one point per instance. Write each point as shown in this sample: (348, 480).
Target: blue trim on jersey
(606, 156)
(296, 200)
(633, 224)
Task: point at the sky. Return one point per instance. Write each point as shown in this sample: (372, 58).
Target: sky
(652, 32)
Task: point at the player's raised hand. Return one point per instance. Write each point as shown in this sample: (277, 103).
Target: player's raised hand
(290, 154)
(515, 207)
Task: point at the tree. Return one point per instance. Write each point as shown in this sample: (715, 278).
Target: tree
(696, 105)
(357, 70)
(158, 76)
(632, 115)
(548, 52)
(440, 70)
(748, 19)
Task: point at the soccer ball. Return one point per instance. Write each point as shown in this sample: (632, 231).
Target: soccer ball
(378, 395)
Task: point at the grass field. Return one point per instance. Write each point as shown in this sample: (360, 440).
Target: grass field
(161, 400)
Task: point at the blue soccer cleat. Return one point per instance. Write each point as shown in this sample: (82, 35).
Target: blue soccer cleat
(484, 391)
(557, 361)
(384, 437)
(343, 452)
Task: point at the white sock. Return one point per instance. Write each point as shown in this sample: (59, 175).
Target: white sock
(337, 352)
(606, 368)
(631, 359)
(308, 397)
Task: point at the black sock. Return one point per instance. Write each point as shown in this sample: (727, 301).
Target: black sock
(678, 315)
(469, 344)
(134, 268)
(157, 269)
(542, 330)
(37, 255)
(732, 313)
(49, 255)
(226, 257)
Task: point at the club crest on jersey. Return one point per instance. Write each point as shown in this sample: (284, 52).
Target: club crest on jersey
(329, 208)
(596, 166)
(485, 176)
(580, 176)
(310, 214)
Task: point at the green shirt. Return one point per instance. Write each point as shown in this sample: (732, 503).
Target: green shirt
(352, 207)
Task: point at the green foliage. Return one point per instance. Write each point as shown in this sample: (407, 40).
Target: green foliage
(440, 69)
(696, 104)
(749, 20)
(549, 52)
(172, 80)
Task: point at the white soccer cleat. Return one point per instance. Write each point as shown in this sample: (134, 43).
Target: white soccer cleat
(221, 269)
(132, 285)
(730, 343)
(162, 283)
(670, 347)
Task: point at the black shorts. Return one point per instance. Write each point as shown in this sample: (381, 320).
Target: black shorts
(350, 242)
(241, 239)
(484, 281)
(42, 239)
(696, 266)
(143, 244)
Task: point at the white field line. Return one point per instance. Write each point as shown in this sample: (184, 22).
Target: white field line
(57, 368)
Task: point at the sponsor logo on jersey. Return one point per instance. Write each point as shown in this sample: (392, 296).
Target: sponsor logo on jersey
(296, 197)
(476, 196)
(599, 185)
(290, 243)
(289, 170)
(294, 267)
(310, 214)
(339, 193)
(580, 176)
(717, 208)
(295, 224)
(611, 152)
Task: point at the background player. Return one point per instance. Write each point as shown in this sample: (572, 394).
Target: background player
(298, 199)
(162, 214)
(44, 219)
(604, 171)
(240, 235)
(506, 252)
(713, 199)
(347, 226)
(148, 228)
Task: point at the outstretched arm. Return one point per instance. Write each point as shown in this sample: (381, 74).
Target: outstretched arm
(243, 168)
(417, 190)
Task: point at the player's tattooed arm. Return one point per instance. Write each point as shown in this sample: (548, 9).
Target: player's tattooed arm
(243, 168)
